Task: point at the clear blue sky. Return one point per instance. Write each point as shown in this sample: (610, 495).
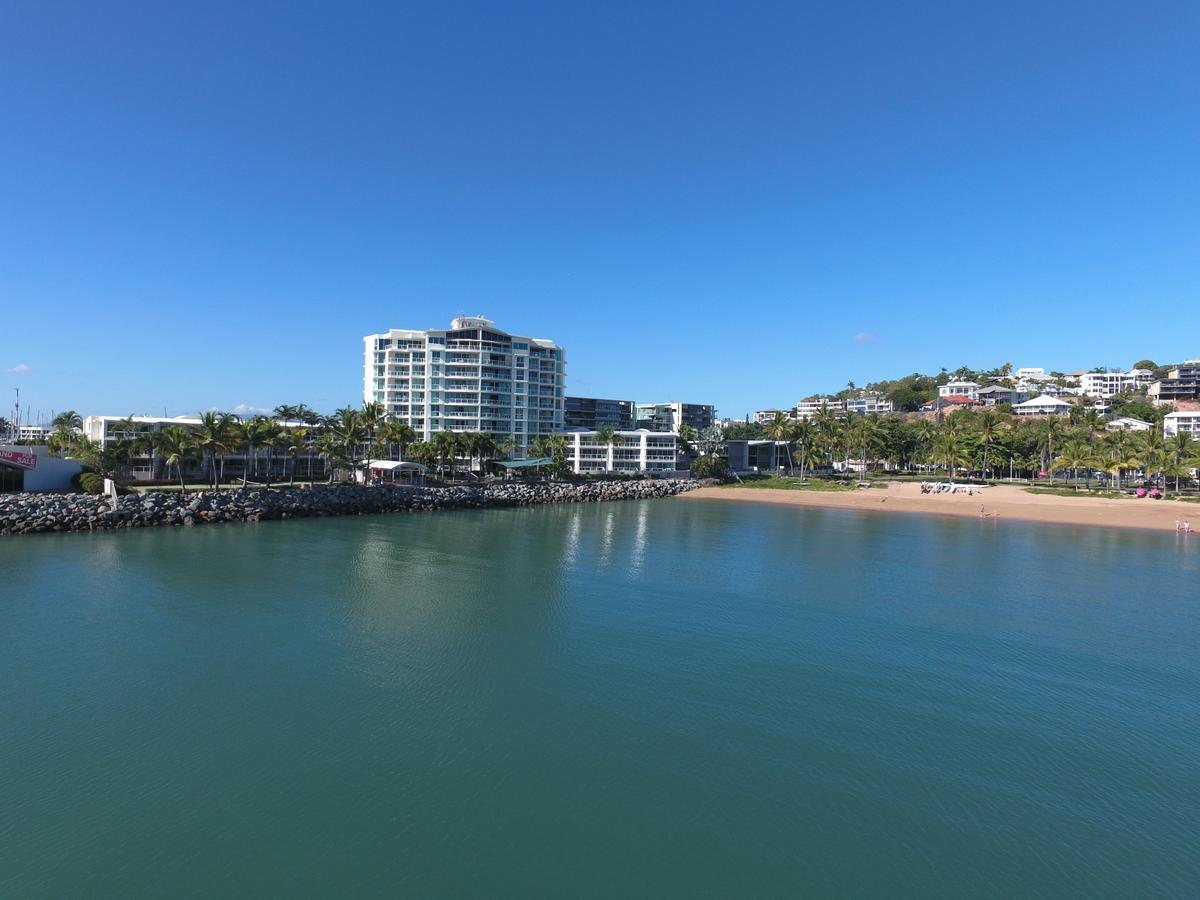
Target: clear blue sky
(732, 203)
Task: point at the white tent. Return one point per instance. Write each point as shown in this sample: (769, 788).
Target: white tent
(415, 471)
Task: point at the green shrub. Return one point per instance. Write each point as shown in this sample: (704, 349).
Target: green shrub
(710, 466)
(91, 483)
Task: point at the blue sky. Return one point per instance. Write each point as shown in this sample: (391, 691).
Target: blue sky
(732, 203)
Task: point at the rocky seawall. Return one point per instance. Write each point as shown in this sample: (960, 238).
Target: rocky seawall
(40, 513)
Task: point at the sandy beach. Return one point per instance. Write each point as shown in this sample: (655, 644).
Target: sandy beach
(1005, 502)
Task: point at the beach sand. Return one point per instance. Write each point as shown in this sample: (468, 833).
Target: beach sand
(1007, 502)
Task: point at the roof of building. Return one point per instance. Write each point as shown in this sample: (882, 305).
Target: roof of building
(525, 463)
(1042, 400)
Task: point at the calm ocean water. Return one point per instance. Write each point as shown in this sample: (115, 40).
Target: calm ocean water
(665, 698)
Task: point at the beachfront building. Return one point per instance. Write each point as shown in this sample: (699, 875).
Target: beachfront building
(1043, 406)
(630, 452)
(757, 456)
(968, 389)
(767, 416)
(469, 377)
(868, 403)
(591, 413)
(1109, 384)
(1182, 423)
(670, 417)
(1181, 383)
(106, 429)
(810, 406)
(1125, 423)
(145, 465)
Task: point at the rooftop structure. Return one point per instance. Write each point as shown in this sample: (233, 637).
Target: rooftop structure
(469, 377)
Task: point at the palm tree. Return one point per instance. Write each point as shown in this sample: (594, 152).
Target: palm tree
(485, 448)
(988, 434)
(687, 434)
(1051, 429)
(332, 448)
(1124, 459)
(608, 436)
(949, 451)
(287, 412)
(805, 435)
(780, 429)
(809, 455)
(273, 436)
(870, 434)
(175, 445)
(213, 439)
(1182, 449)
(247, 435)
(447, 444)
(1074, 455)
(397, 434)
(295, 442)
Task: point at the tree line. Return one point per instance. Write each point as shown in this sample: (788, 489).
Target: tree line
(988, 443)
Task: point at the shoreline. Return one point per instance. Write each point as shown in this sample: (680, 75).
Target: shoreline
(60, 513)
(1000, 503)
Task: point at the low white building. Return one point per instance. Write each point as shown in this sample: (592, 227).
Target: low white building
(968, 389)
(1033, 374)
(1125, 423)
(1182, 423)
(631, 451)
(1109, 384)
(1043, 406)
(103, 429)
(32, 434)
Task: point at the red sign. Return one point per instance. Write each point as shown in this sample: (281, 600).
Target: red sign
(19, 458)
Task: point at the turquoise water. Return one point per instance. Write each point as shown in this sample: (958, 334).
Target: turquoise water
(662, 698)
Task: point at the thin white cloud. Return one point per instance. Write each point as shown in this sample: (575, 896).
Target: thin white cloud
(245, 409)
(864, 337)
(20, 369)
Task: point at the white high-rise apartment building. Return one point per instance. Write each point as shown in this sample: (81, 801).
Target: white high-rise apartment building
(1109, 384)
(470, 377)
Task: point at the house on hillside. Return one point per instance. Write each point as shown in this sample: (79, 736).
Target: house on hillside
(1043, 406)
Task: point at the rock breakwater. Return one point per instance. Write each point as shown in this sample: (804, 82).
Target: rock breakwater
(40, 513)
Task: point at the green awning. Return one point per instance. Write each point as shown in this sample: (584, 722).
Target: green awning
(525, 463)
